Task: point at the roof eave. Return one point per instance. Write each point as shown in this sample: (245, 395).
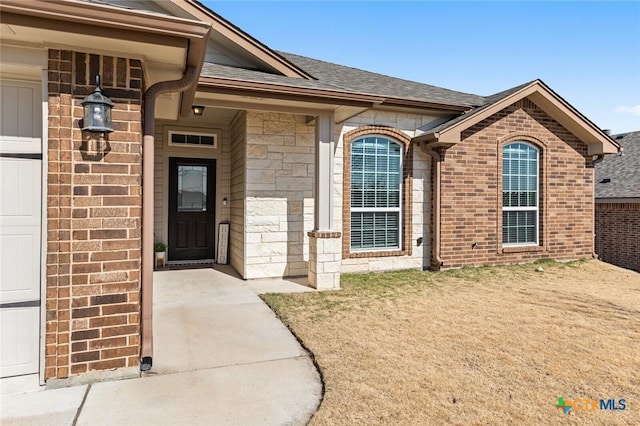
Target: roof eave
(598, 142)
(600, 200)
(102, 15)
(101, 19)
(253, 46)
(342, 97)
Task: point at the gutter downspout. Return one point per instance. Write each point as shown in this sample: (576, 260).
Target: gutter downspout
(189, 78)
(598, 159)
(435, 156)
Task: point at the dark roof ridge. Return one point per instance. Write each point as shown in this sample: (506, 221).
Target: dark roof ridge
(504, 93)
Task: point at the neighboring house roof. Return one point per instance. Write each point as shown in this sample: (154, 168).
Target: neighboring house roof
(618, 176)
(450, 132)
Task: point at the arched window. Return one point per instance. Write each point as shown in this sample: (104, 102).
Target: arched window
(376, 194)
(520, 194)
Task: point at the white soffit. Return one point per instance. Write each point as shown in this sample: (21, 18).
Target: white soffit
(44, 38)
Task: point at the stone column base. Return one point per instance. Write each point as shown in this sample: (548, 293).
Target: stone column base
(325, 258)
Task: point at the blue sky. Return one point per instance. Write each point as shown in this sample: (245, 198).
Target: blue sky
(588, 52)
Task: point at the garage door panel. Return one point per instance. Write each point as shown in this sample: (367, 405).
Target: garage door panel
(19, 350)
(20, 117)
(19, 203)
(20, 226)
(20, 275)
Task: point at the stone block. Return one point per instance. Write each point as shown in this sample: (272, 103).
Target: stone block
(293, 184)
(279, 128)
(261, 176)
(273, 237)
(266, 249)
(299, 170)
(257, 151)
(298, 158)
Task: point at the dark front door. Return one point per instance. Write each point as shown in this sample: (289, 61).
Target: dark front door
(191, 208)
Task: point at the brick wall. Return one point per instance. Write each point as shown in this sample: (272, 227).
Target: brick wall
(93, 218)
(618, 234)
(471, 210)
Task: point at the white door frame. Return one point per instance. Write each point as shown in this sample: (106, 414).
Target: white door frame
(43, 225)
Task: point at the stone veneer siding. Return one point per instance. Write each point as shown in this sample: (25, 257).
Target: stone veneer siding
(471, 200)
(417, 249)
(93, 219)
(279, 194)
(618, 233)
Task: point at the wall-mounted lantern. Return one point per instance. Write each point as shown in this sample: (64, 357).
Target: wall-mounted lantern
(198, 110)
(97, 111)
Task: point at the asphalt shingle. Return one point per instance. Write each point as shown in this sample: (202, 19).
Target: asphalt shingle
(361, 81)
(618, 176)
(346, 79)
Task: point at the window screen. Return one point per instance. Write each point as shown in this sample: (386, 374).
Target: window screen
(376, 185)
(520, 194)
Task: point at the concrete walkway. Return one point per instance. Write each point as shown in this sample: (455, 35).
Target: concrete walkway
(220, 357)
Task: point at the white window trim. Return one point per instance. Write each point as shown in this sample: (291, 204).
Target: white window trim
(192, 133)
(535, 209)
(398, 209)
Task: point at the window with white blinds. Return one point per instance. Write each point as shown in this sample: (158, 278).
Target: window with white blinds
(376, 194)
(520, 194)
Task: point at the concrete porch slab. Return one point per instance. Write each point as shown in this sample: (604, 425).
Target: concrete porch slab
(204, 318)
(47, 407)
(281, 392)
(221, 357)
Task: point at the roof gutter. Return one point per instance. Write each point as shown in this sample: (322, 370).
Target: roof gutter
(280, 91)
(189, 79)
(102, 15)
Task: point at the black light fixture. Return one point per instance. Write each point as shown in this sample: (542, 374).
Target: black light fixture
(198, 110)
(97, 111)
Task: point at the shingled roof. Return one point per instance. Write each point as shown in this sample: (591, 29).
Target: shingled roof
(361, 81)
(618, 176)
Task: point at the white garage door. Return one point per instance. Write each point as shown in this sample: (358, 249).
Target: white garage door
(20, 226)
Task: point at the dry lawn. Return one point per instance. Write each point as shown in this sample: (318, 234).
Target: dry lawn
(494, 345)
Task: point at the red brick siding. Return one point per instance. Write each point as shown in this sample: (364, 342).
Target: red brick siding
(471, 188)
(618, 234)
(93, 218)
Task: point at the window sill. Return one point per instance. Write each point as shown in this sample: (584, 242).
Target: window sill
(521, 249)
(363, 254)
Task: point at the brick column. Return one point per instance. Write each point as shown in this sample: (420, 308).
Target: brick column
(94, 219)
(325, 259)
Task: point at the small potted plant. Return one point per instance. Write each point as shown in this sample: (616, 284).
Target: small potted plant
(161, 253)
